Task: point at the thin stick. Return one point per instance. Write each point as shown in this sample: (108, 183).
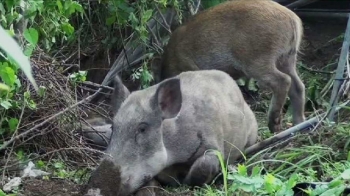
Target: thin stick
(153, 35)
(9, 156)
(163, 18)
(96, 85)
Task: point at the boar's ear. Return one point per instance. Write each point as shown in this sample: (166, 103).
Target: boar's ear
(120, 93)
(169, 98)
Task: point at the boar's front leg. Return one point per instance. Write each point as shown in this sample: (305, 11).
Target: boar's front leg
(203, 170)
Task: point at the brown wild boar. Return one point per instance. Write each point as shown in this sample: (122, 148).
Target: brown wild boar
(166, 133)
(254, 38)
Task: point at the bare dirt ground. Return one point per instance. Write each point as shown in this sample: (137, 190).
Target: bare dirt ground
(317, 53)
(52, 187)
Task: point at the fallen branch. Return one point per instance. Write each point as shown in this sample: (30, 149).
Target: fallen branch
(311, 123)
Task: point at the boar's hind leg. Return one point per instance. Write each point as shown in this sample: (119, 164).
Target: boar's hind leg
(287, 65)
(279, 83)
(203, 170)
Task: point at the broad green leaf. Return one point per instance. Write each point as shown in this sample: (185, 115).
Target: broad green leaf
(77, 7)
(110, 20)
(42, 91)
(334, 191)
(18, 83)
(20, 154)
(133, 19)
(6, 104)
(269, 183)
(31, 35)
(3, 20)
(2, 9)
(31, 104)
(13, 122)
(59, 165)
(242, 170)
(147, 15)
(40, 164)
(124, 7)
(2, 193)
(67, 28)
(335, 183)
(284, 192)
(4, 87)
(62, 173)
(162, 2)
(10, 3)
(9, 45)
(320, 189)
(72, 7)
(346, 174)
(292, 181)
(7, 74)
(26, 95)
(28, 51)
(60, 6)
(241, 82)
(251, 85)
(256, 171)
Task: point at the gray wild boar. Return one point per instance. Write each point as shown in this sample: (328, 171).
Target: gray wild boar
(165, 133)
(254, 38)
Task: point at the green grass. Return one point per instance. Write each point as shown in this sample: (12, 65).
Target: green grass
(308, 158)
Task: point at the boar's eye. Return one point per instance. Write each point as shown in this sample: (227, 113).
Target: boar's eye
(141, 130)
(142, 127)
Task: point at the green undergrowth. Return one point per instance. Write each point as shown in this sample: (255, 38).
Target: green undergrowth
(321, 156)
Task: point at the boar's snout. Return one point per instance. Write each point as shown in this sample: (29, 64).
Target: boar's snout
(110, 179)
(106, 179)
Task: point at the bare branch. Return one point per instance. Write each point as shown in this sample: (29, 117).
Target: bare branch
(22, 135)
(163, 18)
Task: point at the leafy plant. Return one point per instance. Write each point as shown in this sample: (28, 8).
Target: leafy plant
(143, 74)
(79, 76)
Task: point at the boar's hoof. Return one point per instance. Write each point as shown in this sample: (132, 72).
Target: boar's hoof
(148, 189)
(203, 170)
(275, 125)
